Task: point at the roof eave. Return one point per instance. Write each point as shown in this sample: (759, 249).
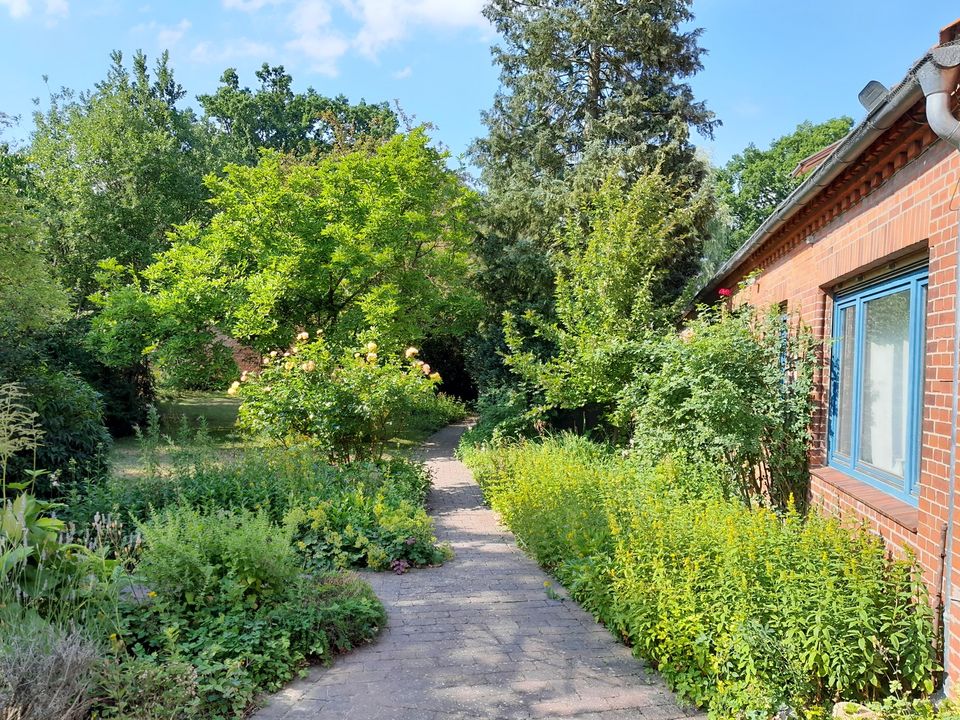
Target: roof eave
(897, 101)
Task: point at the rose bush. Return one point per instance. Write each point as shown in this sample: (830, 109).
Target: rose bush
(348, 405)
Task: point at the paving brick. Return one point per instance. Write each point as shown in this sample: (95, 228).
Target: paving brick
(477, 639)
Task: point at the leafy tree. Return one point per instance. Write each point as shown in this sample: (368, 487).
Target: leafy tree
(607, 292)
(273, 116)
(115, 169)
(30, 297)
(753, 183)
(352, 242)
(587, 88)
(13, 163)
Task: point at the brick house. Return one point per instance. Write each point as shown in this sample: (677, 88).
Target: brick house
(866, 252)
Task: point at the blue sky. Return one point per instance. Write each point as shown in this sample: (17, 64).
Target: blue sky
(770, 65)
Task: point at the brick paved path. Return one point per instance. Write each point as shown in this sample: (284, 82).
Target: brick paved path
(478, 637)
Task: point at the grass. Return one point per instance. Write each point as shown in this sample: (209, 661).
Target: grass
(217, 413)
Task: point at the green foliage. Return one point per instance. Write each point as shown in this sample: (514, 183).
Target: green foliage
(734, 389)
(30, 296)
(615, 282)
(238, 649)
(362, 514)
(239, 641)
(589, 89)
(274, 117)
(40, 574)
(753, 183)
(133, 688)
(189, 556)
(368, 521)
(347, 406)
(586, 87)
(504, 414)
(740, 609)
(115, 169)
(227, 595)
(76, 443)
(133, 327)
(366, 239)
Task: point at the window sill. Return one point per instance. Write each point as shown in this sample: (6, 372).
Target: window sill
(904, 514)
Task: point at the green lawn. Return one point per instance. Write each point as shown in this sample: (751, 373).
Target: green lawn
(218, 413)
(187, 410)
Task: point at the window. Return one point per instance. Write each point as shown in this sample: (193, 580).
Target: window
(876, 394)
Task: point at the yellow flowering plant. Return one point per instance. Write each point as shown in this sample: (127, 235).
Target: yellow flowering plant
(348, 404)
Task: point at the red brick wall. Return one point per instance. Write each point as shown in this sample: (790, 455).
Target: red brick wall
(914, 210)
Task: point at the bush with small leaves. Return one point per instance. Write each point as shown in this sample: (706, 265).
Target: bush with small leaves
(741, 609)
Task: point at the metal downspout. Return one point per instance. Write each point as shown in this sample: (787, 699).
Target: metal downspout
(938, 79)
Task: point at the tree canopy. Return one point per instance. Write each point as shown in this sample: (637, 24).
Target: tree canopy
(115, 169)
(587, 89)
(30, 297)
(273, 116)
(586, 85)
(365, 241)
(609, 291)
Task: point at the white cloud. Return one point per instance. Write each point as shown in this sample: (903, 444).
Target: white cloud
(16, 8)
(57, 9)
(249, 5)
(403, 73)
(384, 22)
(165, 36)
(315, 38)
(54, 10)
(207, 52)
(376, 25)
(168, 36)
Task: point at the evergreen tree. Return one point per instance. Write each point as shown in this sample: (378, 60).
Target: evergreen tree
(584, 85)
(589, 87)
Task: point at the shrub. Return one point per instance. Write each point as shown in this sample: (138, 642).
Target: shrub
(75, 443)
(734, 389)
(238, 649)
(347, 406)
(432, 412)
(362, 514)
(189, 556)
(504, 414)
(125, 391)
(132, 688)
(741, 609)
(46, 671)
(36, 568)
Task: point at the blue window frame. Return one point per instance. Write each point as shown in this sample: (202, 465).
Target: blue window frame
(876, 386)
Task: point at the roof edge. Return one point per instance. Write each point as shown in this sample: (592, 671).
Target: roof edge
(895, 103)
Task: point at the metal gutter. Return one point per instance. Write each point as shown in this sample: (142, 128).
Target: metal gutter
(881, 118)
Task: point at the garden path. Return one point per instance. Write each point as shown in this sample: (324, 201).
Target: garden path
(482, 637)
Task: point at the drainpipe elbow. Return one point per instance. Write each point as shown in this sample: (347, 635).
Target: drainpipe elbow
(938, 78)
